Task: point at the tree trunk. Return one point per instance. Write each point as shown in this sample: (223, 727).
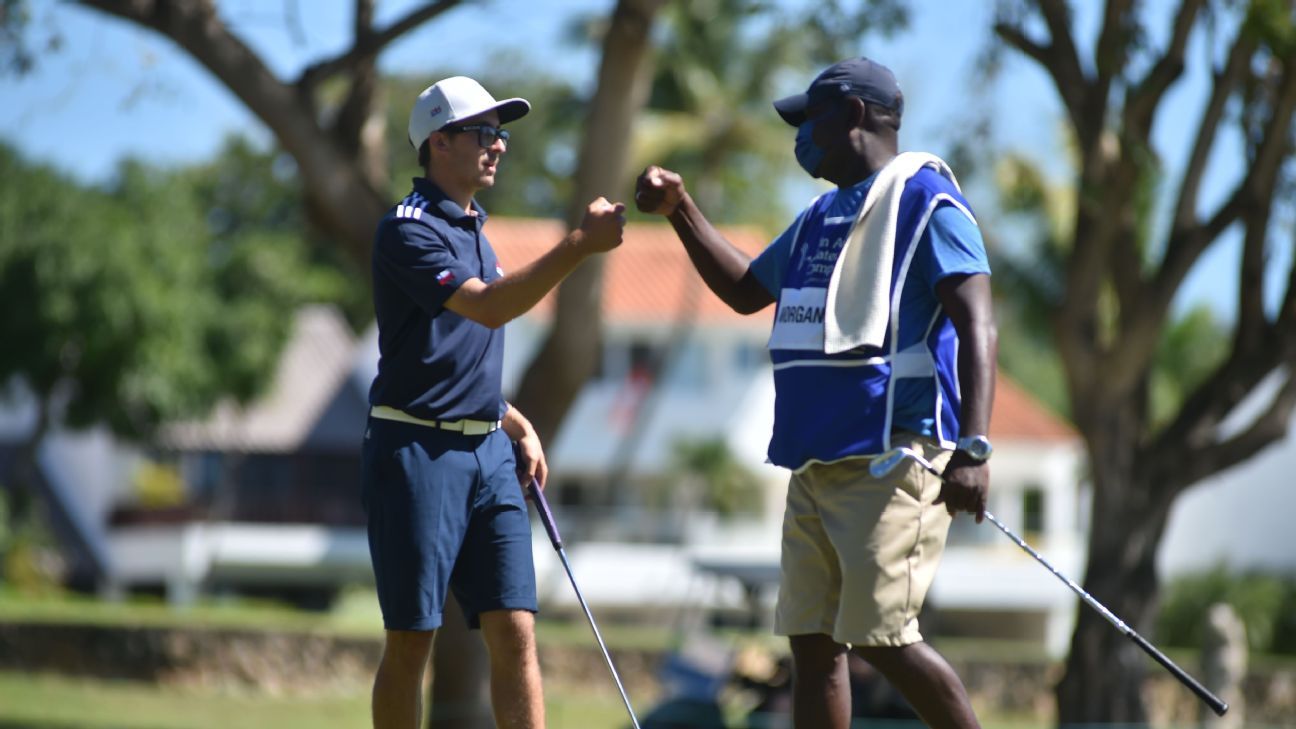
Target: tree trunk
(570, 353)
(1105, 669)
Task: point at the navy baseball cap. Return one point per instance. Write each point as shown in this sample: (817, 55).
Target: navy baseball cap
(860, 77)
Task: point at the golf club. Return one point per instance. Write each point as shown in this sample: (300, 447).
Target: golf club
(546, 517)
(888, 461)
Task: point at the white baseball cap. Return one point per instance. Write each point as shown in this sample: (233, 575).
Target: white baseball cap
(455, 99)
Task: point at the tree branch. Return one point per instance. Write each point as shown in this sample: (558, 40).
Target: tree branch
(1249, 332)
(343, 202)
(1059, 57)
(1193, 464)
(1145, 98)
(1225, 81)
(367, 47)
(1251, 202)
(1110, 54)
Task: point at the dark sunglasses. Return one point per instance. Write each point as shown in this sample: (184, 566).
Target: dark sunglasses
(486, 134)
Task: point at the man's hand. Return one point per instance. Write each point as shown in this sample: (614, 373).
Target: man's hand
(966, 486)
(658, 191)
(526, 448)
(531, 461)
(602, 227)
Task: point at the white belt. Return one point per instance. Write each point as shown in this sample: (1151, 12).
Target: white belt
(465, 426)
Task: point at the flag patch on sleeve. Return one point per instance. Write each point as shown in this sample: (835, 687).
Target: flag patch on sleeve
(446, 277)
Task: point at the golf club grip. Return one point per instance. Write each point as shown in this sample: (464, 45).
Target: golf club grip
(1214, 702)
(546, 516)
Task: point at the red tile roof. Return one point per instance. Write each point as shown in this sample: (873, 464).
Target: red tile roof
(649, 279)
(1018, 415)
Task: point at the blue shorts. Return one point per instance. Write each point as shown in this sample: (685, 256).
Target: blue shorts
(445, 510)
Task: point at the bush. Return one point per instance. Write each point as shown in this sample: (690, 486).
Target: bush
(1266, 604)
(29, 562)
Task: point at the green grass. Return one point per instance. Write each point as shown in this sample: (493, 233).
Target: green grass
(355, 614)
(52, 702)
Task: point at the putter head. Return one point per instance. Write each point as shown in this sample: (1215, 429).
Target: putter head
(883, 465)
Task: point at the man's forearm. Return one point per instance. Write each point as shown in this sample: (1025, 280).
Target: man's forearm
(721, 264)
(505, 299)
(978, 349)
(515, 425)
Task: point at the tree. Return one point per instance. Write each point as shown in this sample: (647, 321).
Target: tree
(705, 474)
(338, 147)
(125, 310)
(1123, 260)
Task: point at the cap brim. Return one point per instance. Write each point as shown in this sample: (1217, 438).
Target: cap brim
(513, 109)
(793, 108)
(509, 110)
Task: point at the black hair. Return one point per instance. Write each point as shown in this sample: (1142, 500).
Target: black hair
(424, 155)
(888, 116)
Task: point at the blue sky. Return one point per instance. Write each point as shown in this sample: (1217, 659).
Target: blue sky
(114, 91)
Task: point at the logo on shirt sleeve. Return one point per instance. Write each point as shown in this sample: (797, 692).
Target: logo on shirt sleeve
(446, 277)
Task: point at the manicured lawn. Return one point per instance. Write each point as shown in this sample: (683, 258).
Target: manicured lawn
(355, 614)
(54, 702)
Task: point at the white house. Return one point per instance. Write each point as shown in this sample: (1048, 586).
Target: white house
(1238, 519)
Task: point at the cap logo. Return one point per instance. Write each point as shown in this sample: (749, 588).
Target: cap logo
(435, 110)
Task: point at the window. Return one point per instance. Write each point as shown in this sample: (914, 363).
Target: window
(1033, 510)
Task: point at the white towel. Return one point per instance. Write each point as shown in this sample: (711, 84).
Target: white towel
(858, 306)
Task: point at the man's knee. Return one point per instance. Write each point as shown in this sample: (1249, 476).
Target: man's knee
(816, 655)
(509, 634)
(408, 648)
(883, 654)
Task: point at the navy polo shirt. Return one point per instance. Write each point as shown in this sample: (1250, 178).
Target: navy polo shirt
(433, 363)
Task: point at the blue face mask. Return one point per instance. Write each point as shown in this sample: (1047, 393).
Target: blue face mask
(808, 154)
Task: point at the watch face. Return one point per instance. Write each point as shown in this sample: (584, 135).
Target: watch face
(976, 446)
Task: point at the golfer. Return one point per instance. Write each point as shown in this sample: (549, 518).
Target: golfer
(441, 485)
(883, 336)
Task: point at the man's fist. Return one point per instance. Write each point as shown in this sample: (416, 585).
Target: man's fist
(658, 191)
(602, 226)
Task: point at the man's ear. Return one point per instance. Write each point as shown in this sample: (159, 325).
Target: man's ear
(856, 112)
(439, 140)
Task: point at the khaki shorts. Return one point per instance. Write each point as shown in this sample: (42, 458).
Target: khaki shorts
(860, 553)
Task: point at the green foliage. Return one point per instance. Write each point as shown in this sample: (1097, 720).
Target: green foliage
(1272, 21)
(29, 564)
(1188, 353)
(15, 54)
(139, 303)
(725, 485)
(1265, 603)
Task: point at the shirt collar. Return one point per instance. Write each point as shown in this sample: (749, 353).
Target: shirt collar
(445, 207)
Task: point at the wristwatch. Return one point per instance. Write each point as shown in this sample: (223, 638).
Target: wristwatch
(977, 447)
